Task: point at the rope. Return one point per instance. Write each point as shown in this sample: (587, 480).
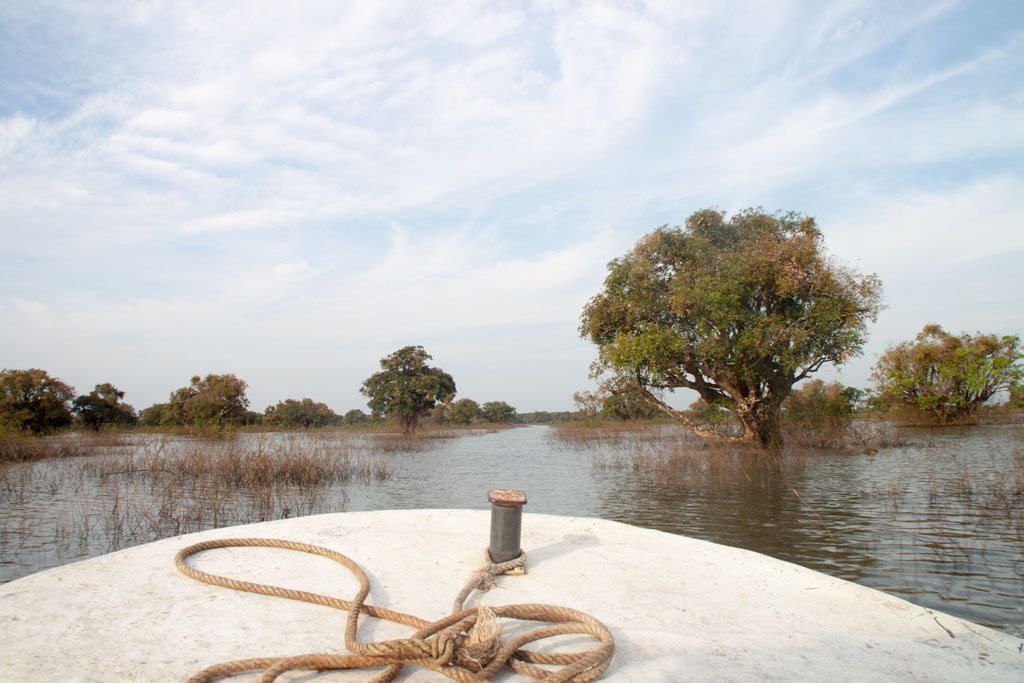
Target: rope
(465, 645)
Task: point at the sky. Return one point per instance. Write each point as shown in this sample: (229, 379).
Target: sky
(291, 191)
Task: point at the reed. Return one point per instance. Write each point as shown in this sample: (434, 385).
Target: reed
(15, 448)
(259, 463)
(690, 464)
(590, 435)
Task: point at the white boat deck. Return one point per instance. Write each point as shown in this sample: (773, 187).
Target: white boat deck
(679, 609)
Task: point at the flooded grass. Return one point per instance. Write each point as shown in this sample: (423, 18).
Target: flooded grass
(15, 448)
(86, 495)
(859, 436)
(76, 495)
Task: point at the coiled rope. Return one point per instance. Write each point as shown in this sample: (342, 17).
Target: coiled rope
(465, 645)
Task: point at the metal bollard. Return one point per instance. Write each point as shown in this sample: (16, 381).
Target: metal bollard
(506, 523)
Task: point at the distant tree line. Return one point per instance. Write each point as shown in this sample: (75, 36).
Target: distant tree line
(407, 391)
(938, 377)
(33, 402)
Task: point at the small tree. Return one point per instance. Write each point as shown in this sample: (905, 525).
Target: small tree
(210, 400)
(32, 401)
(499, 412)
(156, 415)
(622, 401)
(103, 406)
(406, 387)
(1016, 399)
(614, 403)
(711, 414)
(817, 405)
(465, 411)
(737, 310)
(356, 417)
(946, 377)
(588, 404)
(305, 413)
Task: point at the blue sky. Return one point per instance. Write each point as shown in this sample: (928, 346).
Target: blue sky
(290, 191)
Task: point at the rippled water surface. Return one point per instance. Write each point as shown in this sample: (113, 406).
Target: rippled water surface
(939, 522)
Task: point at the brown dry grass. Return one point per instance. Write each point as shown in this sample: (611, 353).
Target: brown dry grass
(16, 448)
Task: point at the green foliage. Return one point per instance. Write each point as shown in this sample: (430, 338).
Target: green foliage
(465, 411)
(406, 387)
(305, 413)
(588, 404)
(499, 412)
(817, 405)
(737, 310)
(706, 413)
(356, 417)
(946, 378)
(32, 401)
(615, 402)
(215, 400)
(1016, 399)
(156, 415)
(544, 417)
(103, 406)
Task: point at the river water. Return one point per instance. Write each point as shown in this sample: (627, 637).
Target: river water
(939, 522)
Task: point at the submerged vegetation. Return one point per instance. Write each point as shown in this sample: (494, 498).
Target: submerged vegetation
(112, 490)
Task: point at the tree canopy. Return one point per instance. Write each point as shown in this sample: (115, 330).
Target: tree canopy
(737, 310)
(498, 411)
(305, 413)
(947, 377)
(356, 417)
(103, 406)
(820, 405)
(406, 388)
(210, 400)
(32, 401)
(465, 411)
(615, 401)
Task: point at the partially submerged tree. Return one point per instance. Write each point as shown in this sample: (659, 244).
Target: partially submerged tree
(305, 413)
(32, 401)
(356, 417)
(210, 400)
(946, 377)
(465, 411)
(737, 310)
(614, 402)
(816, 404)
(103, 406)
(406, 387)
(499, 411)
(1016, 399)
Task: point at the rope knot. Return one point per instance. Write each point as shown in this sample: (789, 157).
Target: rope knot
(482, 642)
(444, 646)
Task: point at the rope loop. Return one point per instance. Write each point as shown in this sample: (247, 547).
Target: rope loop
(466, 645)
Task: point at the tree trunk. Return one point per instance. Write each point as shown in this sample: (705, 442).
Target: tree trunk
(409, 423)
(762, 425)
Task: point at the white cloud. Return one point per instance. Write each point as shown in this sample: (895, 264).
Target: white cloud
(372, 172)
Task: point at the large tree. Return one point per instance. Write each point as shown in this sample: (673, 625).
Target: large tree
(947, 377)
(103, 406)
(32, 401)
(737, 310)
(406, 387)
